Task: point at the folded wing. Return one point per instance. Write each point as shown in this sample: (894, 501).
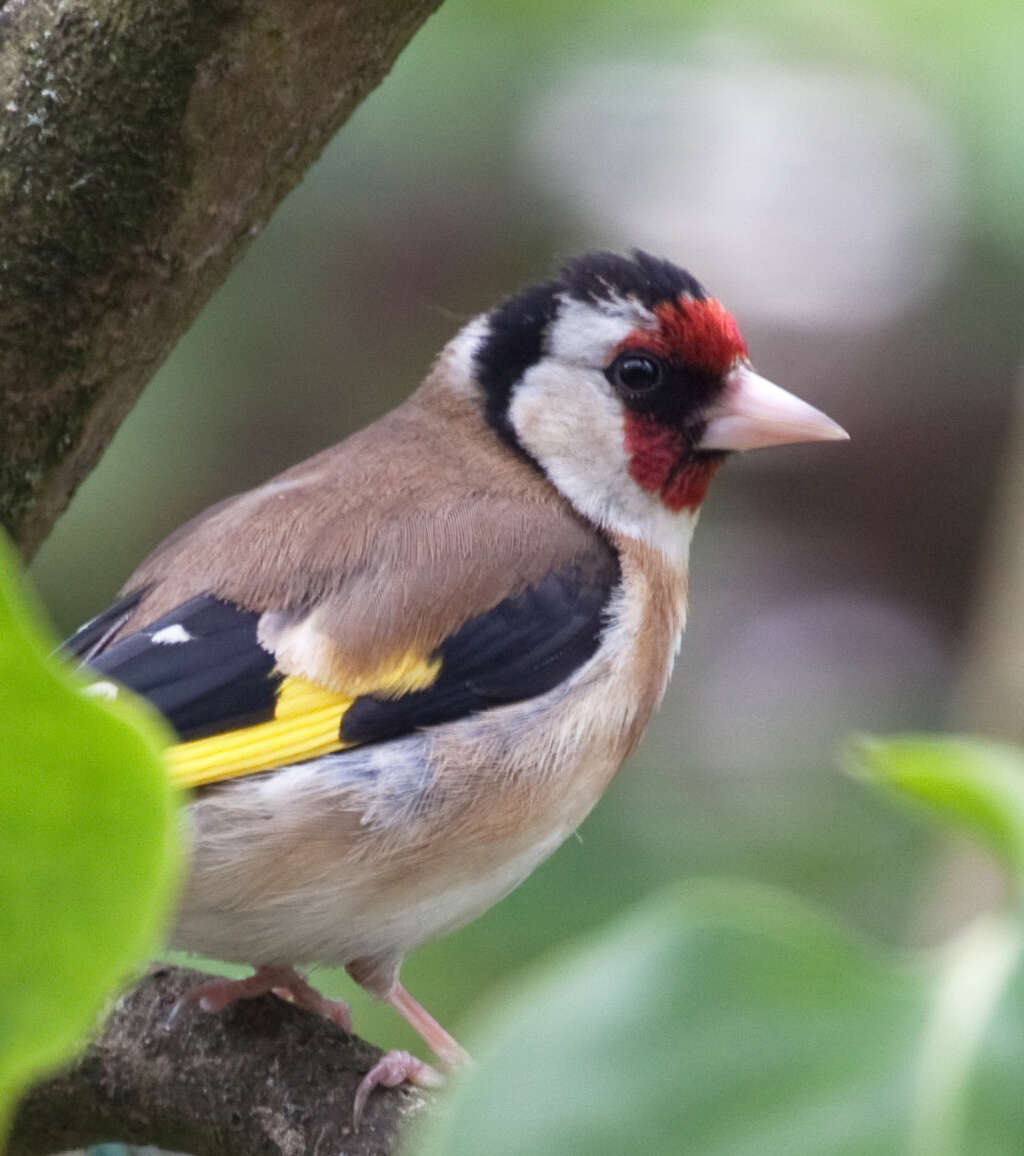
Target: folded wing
(236, 712)
(416, 574)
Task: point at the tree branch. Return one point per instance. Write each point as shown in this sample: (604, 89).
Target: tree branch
(260, 1079)
(143, 143)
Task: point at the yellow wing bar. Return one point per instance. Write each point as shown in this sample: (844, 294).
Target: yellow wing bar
(306, 725)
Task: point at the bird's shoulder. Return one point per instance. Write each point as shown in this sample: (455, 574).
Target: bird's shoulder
(425, 516)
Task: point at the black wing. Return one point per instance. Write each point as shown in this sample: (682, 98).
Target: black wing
(203, 667)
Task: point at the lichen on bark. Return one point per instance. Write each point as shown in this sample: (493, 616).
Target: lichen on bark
(93, 101)
(143, 144)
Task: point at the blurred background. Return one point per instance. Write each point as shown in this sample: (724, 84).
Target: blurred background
(849, 179)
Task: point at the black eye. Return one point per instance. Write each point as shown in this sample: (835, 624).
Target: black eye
(635, 373)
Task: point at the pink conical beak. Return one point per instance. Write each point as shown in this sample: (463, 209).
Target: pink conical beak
(754, 413)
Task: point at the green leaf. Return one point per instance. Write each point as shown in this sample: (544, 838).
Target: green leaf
(991, 1108)
(88, 846)
(716, 1020)
(975, 784)
(977, 971)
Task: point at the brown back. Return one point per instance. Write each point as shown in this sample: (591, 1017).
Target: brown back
(393, 538)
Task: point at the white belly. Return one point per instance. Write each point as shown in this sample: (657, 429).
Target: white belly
(332, 920)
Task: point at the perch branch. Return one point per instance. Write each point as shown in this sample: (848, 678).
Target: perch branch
(261, 1079)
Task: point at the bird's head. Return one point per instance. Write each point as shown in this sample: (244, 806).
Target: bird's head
(627, 384)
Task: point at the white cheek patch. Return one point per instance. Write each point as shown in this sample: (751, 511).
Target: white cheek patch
(586, 333)
(571, 422)
(171, 635)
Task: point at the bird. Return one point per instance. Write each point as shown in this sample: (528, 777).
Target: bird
(401, 673)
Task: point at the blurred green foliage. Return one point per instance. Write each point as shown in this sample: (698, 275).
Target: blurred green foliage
(974, 784)
(88, 847)
(725, 1019)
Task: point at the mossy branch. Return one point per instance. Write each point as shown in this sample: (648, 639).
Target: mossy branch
(143, 144)
(261, 1079)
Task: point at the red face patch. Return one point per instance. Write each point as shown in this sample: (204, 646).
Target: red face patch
(657, 464)
(701, 335)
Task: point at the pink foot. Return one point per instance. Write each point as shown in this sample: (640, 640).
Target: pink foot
(284, 982)
(447, 1049)
(392, 1069)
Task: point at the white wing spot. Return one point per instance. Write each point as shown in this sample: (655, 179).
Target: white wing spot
(170, 635)
(102, 690)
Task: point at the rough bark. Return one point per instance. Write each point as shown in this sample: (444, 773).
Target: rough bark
(143, 143)
(261, 1079)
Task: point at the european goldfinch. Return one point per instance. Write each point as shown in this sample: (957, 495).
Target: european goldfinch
(402, 672)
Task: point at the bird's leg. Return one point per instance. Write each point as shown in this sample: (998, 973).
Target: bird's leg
(447, 1049)
(285, 982)
(380, 979)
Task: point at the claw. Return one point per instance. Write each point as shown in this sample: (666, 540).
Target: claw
(284, 982)
(392, 1069)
